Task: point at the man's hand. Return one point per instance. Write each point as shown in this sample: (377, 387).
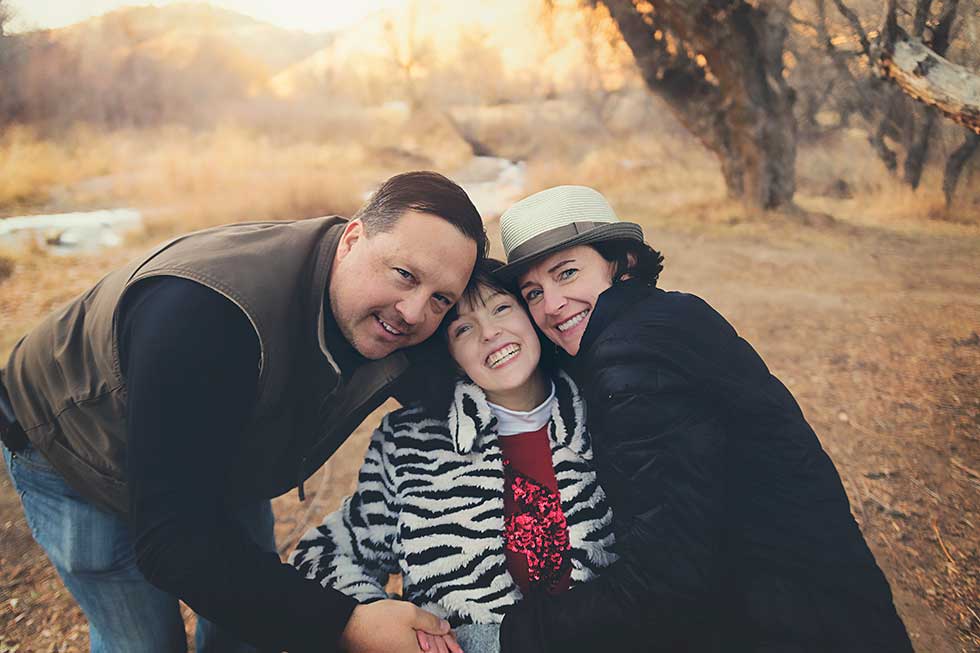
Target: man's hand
(388, 627)
(438, 643)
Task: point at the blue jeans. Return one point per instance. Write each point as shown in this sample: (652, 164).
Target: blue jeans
(93, 553)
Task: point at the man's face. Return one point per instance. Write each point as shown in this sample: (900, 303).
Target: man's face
(391, 290)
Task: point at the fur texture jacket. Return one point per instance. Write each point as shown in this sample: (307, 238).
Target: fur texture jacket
(429, 505)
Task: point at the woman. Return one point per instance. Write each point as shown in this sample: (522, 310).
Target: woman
(733, 527)
(482, 498)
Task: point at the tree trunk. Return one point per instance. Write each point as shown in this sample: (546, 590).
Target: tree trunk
(885, 153)
(918, 149)
(917, 145)
(954, 166)
(736, 102)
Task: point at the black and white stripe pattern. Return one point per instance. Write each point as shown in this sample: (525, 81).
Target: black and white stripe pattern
(429, 504)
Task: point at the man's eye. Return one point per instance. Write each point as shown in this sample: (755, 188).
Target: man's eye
(442, 299)
(405, 274)
(567, 273)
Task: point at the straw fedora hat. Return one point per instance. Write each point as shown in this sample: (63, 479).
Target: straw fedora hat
(555, 219)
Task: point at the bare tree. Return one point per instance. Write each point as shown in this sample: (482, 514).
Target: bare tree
(409, 54)
(604, 72)
(9, 91)
(722, 66)
(719, 65)
(6, 14)
(911, 54)
(920, 69)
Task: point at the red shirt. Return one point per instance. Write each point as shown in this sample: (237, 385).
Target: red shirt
(536, 533)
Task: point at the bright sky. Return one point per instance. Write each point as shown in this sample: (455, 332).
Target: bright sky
(309, 15)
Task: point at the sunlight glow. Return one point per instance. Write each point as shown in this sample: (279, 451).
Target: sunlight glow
(325, 15)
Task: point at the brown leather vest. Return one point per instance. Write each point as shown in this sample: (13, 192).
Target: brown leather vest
(69, 394)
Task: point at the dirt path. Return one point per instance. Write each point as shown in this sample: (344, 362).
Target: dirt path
(874, 330)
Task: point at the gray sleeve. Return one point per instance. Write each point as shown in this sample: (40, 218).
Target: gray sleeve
(479, 638)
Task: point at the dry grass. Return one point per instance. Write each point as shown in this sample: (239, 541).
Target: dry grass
(31, 167)
(272, 172)
(650, 173)
(225, 175)
(843, 167)
(8, 263)
(671, 178)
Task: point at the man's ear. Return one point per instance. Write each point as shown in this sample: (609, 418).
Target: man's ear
(353, 231)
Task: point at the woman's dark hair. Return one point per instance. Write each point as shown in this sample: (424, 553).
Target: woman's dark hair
(445, 373)
(633, 260)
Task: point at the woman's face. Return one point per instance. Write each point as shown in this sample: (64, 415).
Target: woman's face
(495, 344)
(561, 291)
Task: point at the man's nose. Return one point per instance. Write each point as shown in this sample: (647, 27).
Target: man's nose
(411, 309)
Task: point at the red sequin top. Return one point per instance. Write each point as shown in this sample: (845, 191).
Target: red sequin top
(536, 533)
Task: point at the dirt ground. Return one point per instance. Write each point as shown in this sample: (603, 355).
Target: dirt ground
(874, 327)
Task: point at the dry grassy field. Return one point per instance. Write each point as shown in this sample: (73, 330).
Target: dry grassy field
(865, 302)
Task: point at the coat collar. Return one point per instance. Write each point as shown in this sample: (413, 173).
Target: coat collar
(472, 423)
(332, 345)
(612, 303)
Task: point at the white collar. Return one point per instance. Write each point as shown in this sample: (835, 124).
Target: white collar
(513, 422)
(473, 425)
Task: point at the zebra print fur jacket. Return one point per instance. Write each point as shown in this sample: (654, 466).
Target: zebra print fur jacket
(429, 504)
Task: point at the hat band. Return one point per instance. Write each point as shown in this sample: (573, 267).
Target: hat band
(552, 237)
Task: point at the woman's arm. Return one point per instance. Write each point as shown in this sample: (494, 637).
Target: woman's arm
(662, 468)
(353, 549)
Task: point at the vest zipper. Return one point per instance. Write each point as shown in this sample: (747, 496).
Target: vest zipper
(300, 473)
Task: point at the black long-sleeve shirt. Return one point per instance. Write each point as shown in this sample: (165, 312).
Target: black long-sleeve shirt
(190, 358)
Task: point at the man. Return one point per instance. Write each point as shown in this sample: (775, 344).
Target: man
(158, 413)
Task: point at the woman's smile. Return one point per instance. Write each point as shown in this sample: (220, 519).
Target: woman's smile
(561, 291)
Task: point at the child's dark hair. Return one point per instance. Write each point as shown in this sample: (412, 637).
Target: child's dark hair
(482, 277)
(633, 259)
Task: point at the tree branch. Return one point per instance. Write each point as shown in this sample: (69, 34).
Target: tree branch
(924, 75)
(6, 14)
(855, 25)
(940, 38)
(922, 9)
(799, 21)
(889, 31)
(678, 79)
(866, 104)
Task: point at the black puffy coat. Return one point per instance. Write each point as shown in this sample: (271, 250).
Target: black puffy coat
(733, 526)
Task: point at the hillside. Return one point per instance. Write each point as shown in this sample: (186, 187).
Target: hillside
(182, 29)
